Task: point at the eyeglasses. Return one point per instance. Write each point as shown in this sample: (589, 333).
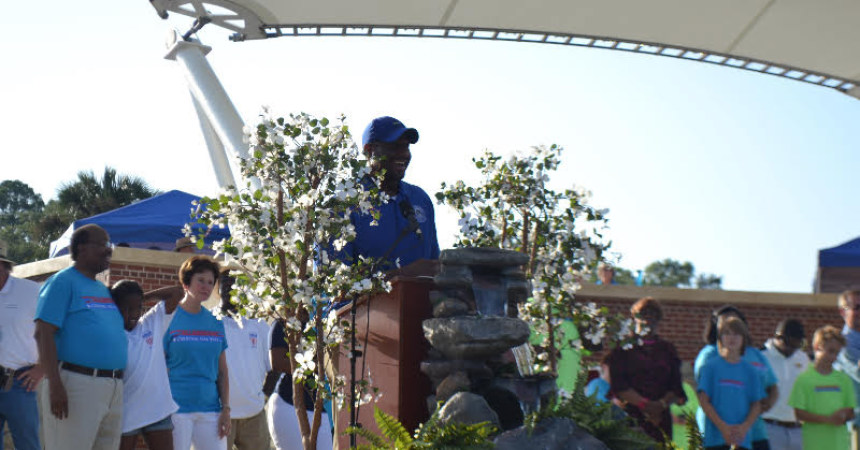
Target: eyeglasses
(856, 307)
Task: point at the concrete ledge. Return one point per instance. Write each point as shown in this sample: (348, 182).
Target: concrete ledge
(44, 267)
(40, 270)
(160, 258)
(121, 255)
(708, 295)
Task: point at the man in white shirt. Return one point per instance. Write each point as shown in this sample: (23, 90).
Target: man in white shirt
(19, 374)
(248, 363)
(783, 352)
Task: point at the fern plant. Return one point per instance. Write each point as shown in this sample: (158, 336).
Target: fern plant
(695, 440)
(432, 434)
(595, 417)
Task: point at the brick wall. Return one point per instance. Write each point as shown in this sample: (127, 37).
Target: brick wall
(686, 311)
(684, 322)
(152, 269)
(149, 277)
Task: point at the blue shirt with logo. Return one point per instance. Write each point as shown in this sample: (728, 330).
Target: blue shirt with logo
(91, 331)
(375, 240)
(192, 347)
(731, 389)
(762, 367)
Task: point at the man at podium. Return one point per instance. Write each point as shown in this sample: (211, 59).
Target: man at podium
(404, 234)
(406, 229)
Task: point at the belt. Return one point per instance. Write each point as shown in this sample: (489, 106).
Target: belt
(101, 373)
(782, 424)
(15, 372)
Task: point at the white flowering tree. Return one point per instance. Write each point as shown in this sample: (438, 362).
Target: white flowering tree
(282, 237)
(514, 208)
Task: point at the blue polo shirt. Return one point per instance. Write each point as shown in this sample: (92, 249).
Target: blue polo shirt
(91, 331)
(375, 240)
(192, 347)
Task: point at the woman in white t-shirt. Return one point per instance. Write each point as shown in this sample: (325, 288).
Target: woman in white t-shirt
(147, 401)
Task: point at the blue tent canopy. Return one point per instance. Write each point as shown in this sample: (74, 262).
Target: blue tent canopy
(843, 255)
(156, 222)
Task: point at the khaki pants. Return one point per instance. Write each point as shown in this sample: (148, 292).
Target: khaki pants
(95, 414)
(250, 433)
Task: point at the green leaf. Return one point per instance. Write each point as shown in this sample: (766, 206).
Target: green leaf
(391, 427)
(376, 442)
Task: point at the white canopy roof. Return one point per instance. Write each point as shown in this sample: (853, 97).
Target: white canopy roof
(812, 41)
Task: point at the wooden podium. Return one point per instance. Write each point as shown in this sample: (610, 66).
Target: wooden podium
(391, 324)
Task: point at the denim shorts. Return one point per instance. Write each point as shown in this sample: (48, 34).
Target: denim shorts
(163, 424)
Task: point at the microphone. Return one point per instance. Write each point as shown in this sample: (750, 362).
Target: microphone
(408, 212)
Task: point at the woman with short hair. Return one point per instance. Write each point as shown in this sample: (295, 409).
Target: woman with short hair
(197, 366)
(647, 377)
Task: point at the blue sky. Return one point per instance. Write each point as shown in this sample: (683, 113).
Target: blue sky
(746, 175)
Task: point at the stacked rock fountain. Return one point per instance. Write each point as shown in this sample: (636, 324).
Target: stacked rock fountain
(474, 325)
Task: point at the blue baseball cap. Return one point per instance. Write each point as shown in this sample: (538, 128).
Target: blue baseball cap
(388, 129)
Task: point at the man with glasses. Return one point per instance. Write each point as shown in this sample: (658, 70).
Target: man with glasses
(849, 309)
(787, 359)
(82, 349)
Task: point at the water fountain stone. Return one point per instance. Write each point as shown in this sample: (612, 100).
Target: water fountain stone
(475, 323)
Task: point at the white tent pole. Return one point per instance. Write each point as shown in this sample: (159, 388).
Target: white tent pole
(210, 98)
(216, 149)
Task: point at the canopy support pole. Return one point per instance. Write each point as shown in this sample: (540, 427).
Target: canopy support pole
(216, 149)
(219, 120)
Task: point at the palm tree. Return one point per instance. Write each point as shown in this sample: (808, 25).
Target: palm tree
(88, 196)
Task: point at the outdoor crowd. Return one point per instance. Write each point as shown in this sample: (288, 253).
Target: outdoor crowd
(773, 397)
(177, 374)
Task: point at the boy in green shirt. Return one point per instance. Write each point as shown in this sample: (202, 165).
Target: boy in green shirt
(823, 398)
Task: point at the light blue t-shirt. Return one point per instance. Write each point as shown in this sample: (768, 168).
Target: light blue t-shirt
(731, 388)
(91, 331)
(767, 378)
(598, 388)
(192, 347)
